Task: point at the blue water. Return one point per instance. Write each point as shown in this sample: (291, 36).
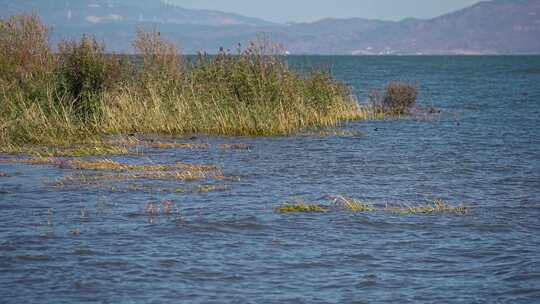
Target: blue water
(88, 244)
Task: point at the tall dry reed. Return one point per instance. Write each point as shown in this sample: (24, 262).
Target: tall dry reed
(82, 93)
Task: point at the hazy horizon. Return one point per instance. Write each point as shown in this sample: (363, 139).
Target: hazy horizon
(282, 11)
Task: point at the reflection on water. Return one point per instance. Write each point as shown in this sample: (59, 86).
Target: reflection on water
(134, 242)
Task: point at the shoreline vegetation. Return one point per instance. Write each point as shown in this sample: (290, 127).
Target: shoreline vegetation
(80, 94)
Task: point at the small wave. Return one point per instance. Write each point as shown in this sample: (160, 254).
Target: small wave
(34, 258)
(84, 252)
(529, 71)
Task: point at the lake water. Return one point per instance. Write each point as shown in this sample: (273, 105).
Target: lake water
(94, 244)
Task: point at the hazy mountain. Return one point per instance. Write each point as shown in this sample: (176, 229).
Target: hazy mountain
(490, 27)
(62, 13)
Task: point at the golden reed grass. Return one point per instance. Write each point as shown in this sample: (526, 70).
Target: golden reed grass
(81, 93)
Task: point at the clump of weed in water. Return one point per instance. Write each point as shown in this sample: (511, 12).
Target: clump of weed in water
(436, 207)
(301, 207)
(398, 99)
(110, 165)
(337, 203)
(352, 205)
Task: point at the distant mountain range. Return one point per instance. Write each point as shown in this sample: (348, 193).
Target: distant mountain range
(490, 27)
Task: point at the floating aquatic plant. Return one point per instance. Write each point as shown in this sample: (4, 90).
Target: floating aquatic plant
(337, 203)
(352, 205)
(355, 206)
(301, 208)
(436, 207)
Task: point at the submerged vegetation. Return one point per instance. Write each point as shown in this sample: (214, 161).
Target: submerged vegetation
(341, 203)
(240, 147)
(436, 207)
(80, 93)
(116, 171)
(301, 208)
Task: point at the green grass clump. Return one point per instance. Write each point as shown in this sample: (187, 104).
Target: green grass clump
(81, 94)
(341, 203)
(436, 207)
(337, 203)
(301, 208)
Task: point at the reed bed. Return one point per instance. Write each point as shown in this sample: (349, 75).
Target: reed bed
(82, 94)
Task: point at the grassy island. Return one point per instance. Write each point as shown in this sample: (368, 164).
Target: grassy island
(80, 93)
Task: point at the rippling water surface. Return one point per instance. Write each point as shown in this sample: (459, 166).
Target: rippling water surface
(88, 244)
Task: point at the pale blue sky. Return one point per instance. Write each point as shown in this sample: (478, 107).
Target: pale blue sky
(310, 10)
